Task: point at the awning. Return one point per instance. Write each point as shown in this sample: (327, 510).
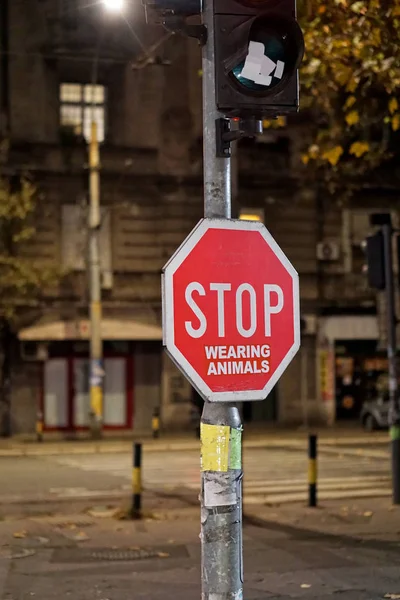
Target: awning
(111, 329)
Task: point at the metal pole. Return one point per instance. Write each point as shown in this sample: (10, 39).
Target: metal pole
(217, 171)
(39, 426)
(155, 423)
(394, 414)
(136, 509)
(96, 350)
(221, 428)
(304, 385)
(312, 470)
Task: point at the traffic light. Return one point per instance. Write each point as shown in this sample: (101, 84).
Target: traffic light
(375, 255)
(398, 257)
(258, 48)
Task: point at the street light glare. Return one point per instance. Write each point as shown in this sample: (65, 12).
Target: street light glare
(114, 5)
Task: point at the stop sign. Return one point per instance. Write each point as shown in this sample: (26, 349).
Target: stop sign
(231, 318)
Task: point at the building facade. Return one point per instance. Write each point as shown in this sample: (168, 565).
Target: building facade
(64, 63)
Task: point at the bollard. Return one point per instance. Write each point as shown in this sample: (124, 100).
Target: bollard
(136, 509)
(312, 470)
(155, 423)
(39, 427)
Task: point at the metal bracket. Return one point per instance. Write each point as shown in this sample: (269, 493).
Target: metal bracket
(178, 24)
(225, 133)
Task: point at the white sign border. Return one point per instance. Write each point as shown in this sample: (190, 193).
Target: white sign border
(168, 309)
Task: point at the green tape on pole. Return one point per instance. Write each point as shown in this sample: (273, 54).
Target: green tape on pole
(235, 450)
(395, 432)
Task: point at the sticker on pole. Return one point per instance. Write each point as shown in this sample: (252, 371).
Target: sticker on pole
(231, 318)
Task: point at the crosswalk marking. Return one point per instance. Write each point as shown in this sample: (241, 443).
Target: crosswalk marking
(271, 475)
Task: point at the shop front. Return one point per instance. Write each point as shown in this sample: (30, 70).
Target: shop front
(65, 394)
(132, 374)
(351, 364)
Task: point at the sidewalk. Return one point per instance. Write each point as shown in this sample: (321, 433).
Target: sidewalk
(101, 558)
(253, 437)
(363, 518)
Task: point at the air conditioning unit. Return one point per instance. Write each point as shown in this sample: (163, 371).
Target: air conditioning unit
(107, 280)
(34, 351)
(328, 250)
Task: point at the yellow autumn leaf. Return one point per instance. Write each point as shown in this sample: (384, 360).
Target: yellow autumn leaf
(305, 159)
(375, 37)
(322, 9)
(359, 7)
(393, 105)
(266, 123)
(352, 118)
(281, 122)
(396, 122)
(352, 85)
(359, 148)
(342, 74)
(333, 155)
(349, 102)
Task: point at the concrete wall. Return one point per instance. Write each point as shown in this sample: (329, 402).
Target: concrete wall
(297, 391)
(176, 397)
(25, 392)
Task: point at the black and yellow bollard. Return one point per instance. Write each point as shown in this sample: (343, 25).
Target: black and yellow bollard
(155, 423)
(312, 470)
(136, 510)
(39, 427)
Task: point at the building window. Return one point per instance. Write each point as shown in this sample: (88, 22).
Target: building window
(79, 106)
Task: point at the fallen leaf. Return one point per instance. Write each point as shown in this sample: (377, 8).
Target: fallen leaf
(20, 534)
(162, 554)
(392, 596)
(305, 585)
(81, 537)
(369, 513)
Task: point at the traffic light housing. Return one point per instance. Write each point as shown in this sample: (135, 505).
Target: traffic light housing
(375, 255)
(258, 48)
(157, 11)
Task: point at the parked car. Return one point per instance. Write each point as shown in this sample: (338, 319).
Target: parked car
(374, 414)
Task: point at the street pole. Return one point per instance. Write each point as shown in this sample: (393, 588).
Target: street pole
(221, 428)
(394, 413)
(96, 350)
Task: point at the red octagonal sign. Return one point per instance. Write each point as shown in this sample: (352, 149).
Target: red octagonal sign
(231, 310)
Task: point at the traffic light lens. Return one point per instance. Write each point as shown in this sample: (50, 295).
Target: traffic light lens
(273, 52)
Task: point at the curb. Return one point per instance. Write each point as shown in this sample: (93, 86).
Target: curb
(43, 450)
(187, 446)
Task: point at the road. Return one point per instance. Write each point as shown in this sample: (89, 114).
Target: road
(272, 474)
(323, 557)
